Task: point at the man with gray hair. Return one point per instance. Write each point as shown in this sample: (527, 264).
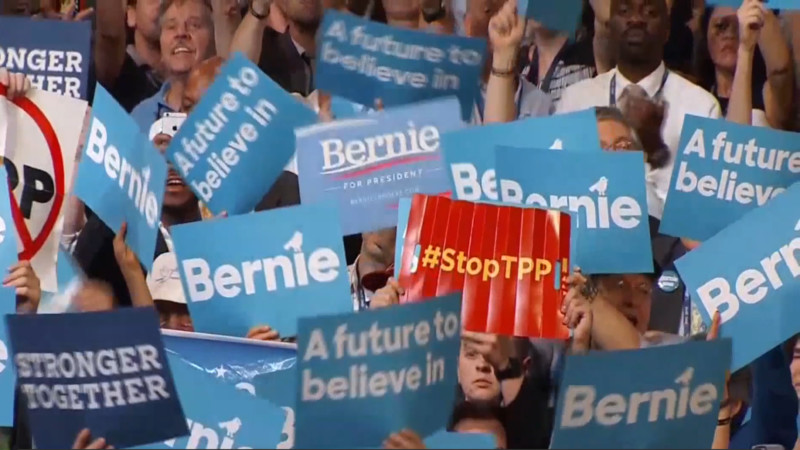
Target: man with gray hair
(187, 38)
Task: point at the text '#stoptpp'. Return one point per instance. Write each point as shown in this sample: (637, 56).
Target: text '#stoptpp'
(452, 260)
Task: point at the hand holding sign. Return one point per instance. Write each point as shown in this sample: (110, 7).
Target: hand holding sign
(16, 84)
(68, 12)
(84, 441)
(23, 278)
(388, 295)
(751, 17)
(406, 439)
(505, 33)
(126, 258)
(577, 312)
(496, 349)
(263, 333)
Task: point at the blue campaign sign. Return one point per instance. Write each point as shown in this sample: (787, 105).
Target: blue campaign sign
(232, 419)
(366, 164)
(8, 257)
(377, 372)
(106, 371)
(469, 153)
(722, 171)
(403, 211)
(238, 139)
(54, 54)
(267, 268)
(660, 397)
(122, 176)
(447, 440)
(749, 272)
(263, 369)
(362, 60)
(341, 108)
(604, 192)
(561, 15)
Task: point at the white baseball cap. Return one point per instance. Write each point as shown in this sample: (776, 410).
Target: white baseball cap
(164, 281)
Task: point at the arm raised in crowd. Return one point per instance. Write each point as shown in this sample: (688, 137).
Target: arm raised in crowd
(505, 33)
(779, 89)
(131, 270)
(751, 20)
(603, 57)
(249, 36)
(109, 43)
(227, 18)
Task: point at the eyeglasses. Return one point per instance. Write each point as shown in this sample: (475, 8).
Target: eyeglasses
(621, 144)
(612, 284)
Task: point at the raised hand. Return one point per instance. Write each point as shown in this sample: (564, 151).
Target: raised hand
(506, 29)
(751, 17)
(66, 13)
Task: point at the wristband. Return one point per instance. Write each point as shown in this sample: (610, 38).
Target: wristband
(504, 73)
(256, 14)
(431, 15)
(723, 422)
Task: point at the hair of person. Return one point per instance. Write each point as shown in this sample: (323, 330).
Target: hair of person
(613, 113)
(167, 4)
(466, 410)
(522, 347)
(703, 66)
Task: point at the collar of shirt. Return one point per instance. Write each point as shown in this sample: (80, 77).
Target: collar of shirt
(300, 49)
(161, 97)
(131, 49)
(650, 83)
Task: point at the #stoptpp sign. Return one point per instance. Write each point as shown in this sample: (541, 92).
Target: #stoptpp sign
(508, 261)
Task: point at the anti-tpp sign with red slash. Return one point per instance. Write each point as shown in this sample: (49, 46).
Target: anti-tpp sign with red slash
(509, 262)
(41, 142)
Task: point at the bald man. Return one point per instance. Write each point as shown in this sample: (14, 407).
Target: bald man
(286, 190)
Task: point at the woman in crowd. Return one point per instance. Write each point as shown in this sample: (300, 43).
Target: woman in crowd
(747, 44)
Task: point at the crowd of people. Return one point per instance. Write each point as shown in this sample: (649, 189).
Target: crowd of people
(642, 65)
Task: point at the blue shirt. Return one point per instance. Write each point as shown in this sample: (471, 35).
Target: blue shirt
(149, 109)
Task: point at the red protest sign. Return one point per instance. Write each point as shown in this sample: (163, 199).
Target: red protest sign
(32, 245)
(39, 145)
(509, 262)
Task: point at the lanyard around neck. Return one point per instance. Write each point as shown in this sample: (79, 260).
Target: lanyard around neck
(612, 88)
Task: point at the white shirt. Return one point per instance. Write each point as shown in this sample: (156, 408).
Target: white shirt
(683, 97)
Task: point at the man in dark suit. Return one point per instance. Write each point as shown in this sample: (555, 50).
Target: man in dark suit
(286, 56)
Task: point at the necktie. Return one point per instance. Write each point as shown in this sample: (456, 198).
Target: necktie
(309, 72)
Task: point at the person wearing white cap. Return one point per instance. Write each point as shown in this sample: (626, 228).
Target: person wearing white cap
(165, 287)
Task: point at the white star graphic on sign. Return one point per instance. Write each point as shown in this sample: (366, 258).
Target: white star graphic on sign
(220, 371)
(797, 227)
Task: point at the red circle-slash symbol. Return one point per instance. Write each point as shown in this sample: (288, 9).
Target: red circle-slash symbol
(31, 246)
